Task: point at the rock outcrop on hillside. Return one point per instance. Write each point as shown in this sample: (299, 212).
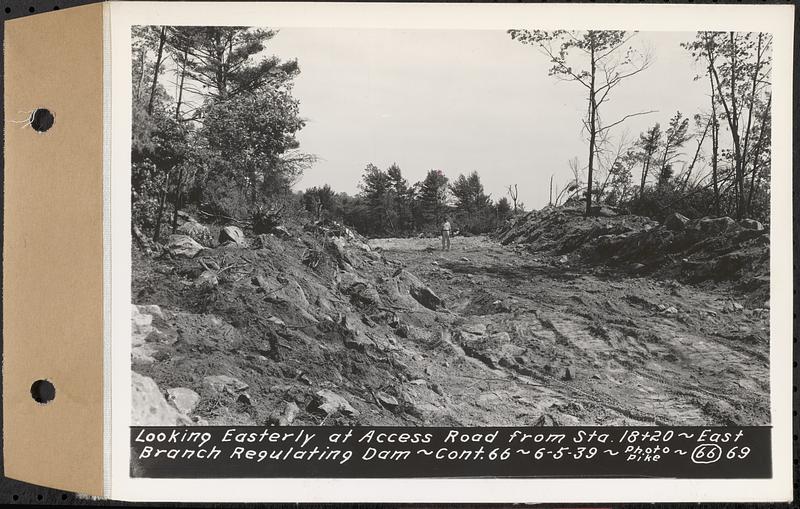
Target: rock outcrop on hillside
(711, 250)
(307, 318)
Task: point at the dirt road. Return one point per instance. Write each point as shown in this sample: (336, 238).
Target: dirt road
(549, 341)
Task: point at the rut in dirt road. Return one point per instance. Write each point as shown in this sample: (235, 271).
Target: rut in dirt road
(577, 344)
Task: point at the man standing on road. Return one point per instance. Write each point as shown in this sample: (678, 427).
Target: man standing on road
(446, 234)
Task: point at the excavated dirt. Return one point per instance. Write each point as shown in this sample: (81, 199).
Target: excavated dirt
(590, 345)
(321, 327)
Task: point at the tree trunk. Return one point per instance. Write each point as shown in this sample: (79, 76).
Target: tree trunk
(592, 132)
(180, 85)
(732, 116)
(714, 144)
(177, 202)
(161, 204)
(645, 169)
(138, 92)
(737, 143)
(756, 154)
(696, 155)
(754, 84)
(161, 40)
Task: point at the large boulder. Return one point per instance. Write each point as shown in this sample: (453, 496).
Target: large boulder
(716, 224)
(232, 235)
(150, 408)
(183, 246)
(676, 222)
(149, 325)
(183, 399)
(426, 297)
(387, 400)
(144, 354)
(495, 350)
(421, 293)
(751, 224)
(343, 258)
(286, 417)
(329, 402)
(141, 325)
(197, 231)
(361, 292)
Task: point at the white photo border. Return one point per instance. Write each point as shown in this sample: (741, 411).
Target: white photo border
(121, 16)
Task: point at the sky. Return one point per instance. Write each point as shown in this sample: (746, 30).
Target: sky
(462, 101)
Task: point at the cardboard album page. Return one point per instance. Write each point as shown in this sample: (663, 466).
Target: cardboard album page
(53, 250)
(332, 252)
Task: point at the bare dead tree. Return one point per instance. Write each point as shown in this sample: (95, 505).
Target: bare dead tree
(514, 195)
(609, 60)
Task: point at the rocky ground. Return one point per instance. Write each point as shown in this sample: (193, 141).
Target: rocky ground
(560, 320)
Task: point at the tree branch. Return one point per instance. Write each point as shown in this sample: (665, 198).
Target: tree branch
(625, 118)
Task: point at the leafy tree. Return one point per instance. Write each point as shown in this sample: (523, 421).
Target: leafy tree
(321, 202)
(738, 65)
(235, 148)
(433, 197)
(223, 59)
(156, 162)
(621, 178)
(250, 139)
(469, 194)
(403, 197)
(649, 142)
(376, 189)
(606, 59)
(471, 202)
(674, 138)
(503, 209)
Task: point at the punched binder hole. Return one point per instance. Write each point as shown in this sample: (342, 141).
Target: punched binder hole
(43, 391)
(41, 119)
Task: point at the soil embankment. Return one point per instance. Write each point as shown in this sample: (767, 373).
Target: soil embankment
(565, 324)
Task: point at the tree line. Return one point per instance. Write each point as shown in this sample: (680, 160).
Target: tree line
(387, 205)
(215, 127)
(712, 162)
(214, 124)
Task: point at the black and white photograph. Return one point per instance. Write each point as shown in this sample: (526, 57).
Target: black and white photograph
(450, 227)
(440, 253)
